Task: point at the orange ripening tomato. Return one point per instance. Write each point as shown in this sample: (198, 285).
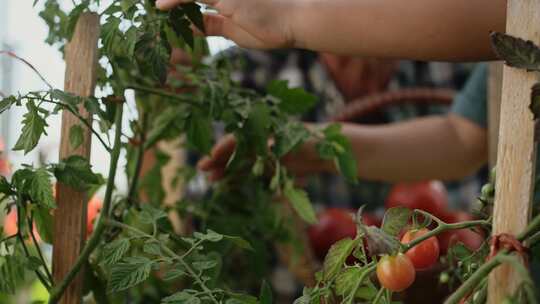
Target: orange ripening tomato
(425, 254)
(396, 273)
(93, 210)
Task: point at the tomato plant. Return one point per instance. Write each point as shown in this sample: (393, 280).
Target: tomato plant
(396, 273)
(425, 254)
(333, 225)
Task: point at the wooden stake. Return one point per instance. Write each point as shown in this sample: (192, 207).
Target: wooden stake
(70, 216)
(494, 109)
(516, 152)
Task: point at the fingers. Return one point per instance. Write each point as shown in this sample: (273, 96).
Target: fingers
(169, 4)
(216, 162)
(222, 26)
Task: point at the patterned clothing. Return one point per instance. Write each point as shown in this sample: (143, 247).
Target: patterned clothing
(255, 69)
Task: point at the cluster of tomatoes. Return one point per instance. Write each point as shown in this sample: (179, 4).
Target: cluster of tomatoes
(398, 272)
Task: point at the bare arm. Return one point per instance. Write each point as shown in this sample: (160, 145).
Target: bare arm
(437, 147)
(453, 30)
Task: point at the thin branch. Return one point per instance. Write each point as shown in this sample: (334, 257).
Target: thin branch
(38, 249)
(442, 227)
(163, 93)
(59, 289)
(28, 64)
(132, 194)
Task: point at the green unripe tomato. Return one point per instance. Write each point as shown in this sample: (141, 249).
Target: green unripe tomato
(444, 277)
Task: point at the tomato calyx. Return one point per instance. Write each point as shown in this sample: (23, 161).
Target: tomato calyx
(510, 243)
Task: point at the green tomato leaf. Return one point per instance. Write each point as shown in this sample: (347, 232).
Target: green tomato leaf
(174, 273)
(74, 17)
(181, 297)
(41, 188)
(516, 52)
(395, 219)
(300, 202)
(33, 127)
(7, 102)
(76, 172)
(115, 251)
(290, 136)
(293, 100)
(76, 136)
(335, 259)
(128, 273)
(44, 224)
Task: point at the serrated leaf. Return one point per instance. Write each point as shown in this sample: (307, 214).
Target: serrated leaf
(210, 236)
(6, 103)
(395, 219)
(76, 172)
(181, 297)
(265, 296)
(11, 273)
(115, 251)
(152, 247)
(336, 257)
(33, 127)
(76, 136)
(5, 186)
(128, 273)
(292, 135)
(41, 188)
(162, 125)
(44, 224)
(300, 202)
(293, 100)
(174, 273)
(379, 242)
(237, 298)
(516, 52)
(347, 280)
(181, 26)
(150, 214)
(204, 265)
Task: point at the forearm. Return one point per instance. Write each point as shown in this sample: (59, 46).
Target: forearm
(453, 30)
(439, 147)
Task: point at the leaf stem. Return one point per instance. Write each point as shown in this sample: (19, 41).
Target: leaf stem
(359, 283)
(162, 93)
(132, 194)
(59, 289)
(442, 227)
(170, 253)
(40, 254)
(532, 228)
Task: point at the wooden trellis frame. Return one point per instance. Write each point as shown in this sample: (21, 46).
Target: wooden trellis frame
(516, 148)
(70, 216)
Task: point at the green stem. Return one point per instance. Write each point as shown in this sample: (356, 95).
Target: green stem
(40, 254)
(442, 227)
(475, 279)
(170, 253)
(83, 120)
(532, 228)
(59, 289)
(359, 283)
(132, 194)
(378, 296)
(163, 93)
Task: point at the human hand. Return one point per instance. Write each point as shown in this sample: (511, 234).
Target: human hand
(301, 162)
(260, 24)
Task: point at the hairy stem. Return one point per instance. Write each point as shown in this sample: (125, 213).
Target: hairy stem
(40, 254)
(59, 289)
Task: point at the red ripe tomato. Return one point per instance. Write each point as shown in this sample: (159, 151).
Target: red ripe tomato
(430, 196)
(471, 239)
(335, 224)
(396, 273)
(425, 254)
(93, 209)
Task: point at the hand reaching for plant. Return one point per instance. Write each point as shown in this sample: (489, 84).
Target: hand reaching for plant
(250, 24)
(303, 161)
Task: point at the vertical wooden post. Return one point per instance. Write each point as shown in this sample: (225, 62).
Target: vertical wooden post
(516, 153)
(494, 109)
(70, 216)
